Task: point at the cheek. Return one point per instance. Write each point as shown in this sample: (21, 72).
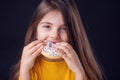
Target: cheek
(41, 36)
(65, 37)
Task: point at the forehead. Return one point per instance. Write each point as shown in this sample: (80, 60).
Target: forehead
(54, 16)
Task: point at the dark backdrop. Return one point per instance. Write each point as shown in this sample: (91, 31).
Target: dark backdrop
(101, 20)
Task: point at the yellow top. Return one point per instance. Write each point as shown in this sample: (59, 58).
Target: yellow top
(45, 70)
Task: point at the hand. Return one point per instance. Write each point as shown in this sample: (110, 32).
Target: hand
(29, 54)
(66, 51)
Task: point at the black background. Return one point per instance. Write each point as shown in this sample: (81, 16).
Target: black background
(101, 20)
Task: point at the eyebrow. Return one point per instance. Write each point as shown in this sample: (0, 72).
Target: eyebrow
(46, 23)
(50, 23)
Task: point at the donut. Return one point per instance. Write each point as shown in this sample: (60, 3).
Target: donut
(49, 51)
(50, 56)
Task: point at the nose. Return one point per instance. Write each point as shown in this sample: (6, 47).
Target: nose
(55, 35)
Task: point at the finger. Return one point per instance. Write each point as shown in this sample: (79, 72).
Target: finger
(35, 48)
(65, 47)
(68, 48)
(38, 52)
(32, 44)
(61, 53)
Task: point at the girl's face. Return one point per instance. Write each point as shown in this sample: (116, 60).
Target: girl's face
(52, 28)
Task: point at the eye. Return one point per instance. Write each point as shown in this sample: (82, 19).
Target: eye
(46, 26)
(63, 28)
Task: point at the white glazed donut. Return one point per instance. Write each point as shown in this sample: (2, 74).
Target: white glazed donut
(49, 52)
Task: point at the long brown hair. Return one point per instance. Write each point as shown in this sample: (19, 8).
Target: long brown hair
(76, 33)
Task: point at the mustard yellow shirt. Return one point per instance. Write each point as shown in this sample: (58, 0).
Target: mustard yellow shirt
(45, 70)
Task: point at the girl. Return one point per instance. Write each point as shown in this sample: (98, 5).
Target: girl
(59, 22)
